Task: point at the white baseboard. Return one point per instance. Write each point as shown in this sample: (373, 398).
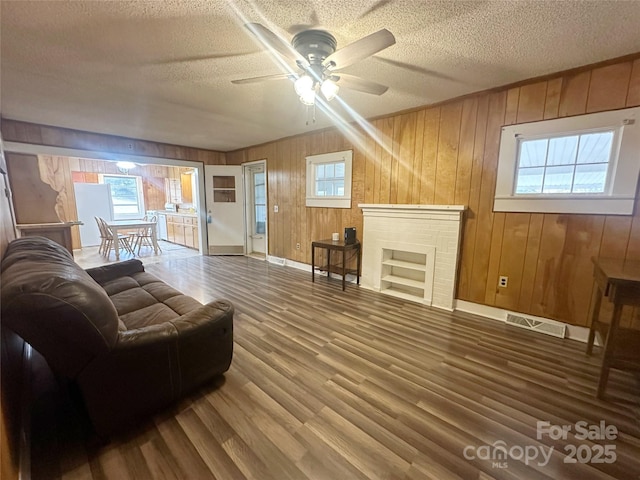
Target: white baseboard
(302, 266)
(574, 332)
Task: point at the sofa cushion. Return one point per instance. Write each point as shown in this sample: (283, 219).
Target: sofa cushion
(142, 299)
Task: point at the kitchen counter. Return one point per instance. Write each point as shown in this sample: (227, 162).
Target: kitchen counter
(183, 214)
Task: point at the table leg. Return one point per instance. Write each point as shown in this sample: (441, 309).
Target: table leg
(594, 318)
(358, 264)
(116, 242)
(344, 271)
(154, 239)
(328, 264)
(608, 348)
(313, 263)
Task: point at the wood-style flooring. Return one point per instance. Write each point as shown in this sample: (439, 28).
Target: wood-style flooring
(336, 385)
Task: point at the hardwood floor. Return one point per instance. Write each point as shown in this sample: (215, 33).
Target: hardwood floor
(335, 385)
(89, 257)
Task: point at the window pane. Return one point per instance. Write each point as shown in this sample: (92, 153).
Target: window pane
(320, 171)
(259, 188)
(529, 180)
(562, 150)
(329, 170)
(339, 170)
(595, 147)
(590, 178)
(261, 219)
(125, 209)
(558, 179)
(533, 153)
(339, 187)
(320, 188)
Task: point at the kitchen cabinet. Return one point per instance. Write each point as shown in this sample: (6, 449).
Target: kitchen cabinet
(183, 230)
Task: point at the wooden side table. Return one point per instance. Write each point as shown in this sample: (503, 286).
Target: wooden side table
(618, 280)
(329, 246)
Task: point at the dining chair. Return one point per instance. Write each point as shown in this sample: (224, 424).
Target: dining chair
(145, 235)
(122, 239)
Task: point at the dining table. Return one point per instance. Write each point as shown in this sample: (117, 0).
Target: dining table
(128, 225)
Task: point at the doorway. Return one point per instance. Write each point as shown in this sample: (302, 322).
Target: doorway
(256, 239)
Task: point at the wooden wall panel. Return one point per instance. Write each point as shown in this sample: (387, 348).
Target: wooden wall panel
(448, 154)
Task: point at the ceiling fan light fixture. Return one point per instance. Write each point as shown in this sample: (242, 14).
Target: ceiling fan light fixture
(329, 89)
(303, 85)
(308, 98)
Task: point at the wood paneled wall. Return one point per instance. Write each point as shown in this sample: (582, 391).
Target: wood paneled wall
(15, 131)
(448, 154)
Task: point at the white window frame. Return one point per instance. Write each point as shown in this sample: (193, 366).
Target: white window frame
(622, 178)
(141, 207)
(336, 201)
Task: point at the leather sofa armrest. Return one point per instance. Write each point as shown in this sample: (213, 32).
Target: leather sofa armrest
(220, 311)
(110, 272)
(150, 367)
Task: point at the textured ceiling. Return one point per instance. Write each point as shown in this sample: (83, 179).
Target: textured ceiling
(162, 70)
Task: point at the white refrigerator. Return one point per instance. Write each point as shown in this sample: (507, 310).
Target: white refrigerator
(92, 200)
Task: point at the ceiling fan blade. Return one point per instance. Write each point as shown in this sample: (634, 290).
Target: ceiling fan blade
(360, 49)
(360, 84)
(273, 41)
(263, 78)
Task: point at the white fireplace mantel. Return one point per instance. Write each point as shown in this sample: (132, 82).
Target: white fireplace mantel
(411, 251)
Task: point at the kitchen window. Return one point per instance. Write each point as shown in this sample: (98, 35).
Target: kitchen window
(126, 194)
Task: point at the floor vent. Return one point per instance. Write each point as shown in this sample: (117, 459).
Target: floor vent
(276, 260)
(543, 326)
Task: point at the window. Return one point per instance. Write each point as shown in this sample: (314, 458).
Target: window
(329, 180)
(584, 164)
(126, 194)
(260, 203)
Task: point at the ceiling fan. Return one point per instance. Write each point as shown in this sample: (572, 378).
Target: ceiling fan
(314, 53)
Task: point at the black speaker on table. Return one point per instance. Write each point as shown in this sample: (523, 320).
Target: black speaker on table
(350, 235)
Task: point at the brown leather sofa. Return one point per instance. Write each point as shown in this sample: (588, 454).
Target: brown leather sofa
(130, 342)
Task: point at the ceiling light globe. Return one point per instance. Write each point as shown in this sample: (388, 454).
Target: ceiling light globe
(329, 89)
(303, 85)
(308, 98)
(125, 165)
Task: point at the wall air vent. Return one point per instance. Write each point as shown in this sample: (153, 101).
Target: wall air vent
(549, 327)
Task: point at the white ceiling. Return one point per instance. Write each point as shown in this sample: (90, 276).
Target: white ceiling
(162, 70)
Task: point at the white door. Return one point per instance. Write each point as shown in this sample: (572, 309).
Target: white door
(92, 200)
(225, 210)
(256, 208)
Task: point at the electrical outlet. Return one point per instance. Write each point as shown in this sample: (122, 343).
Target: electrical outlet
(275, 209)
(502, 281)
(297, 246)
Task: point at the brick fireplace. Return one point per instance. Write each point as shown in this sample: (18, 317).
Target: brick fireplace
(412, 251)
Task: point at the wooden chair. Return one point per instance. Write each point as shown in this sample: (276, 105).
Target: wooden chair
(107, 234)
(144, 236)
(103, 236)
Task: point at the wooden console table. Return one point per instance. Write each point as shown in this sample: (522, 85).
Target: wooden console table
(340, 246)
(619, 280)
(59, 232)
